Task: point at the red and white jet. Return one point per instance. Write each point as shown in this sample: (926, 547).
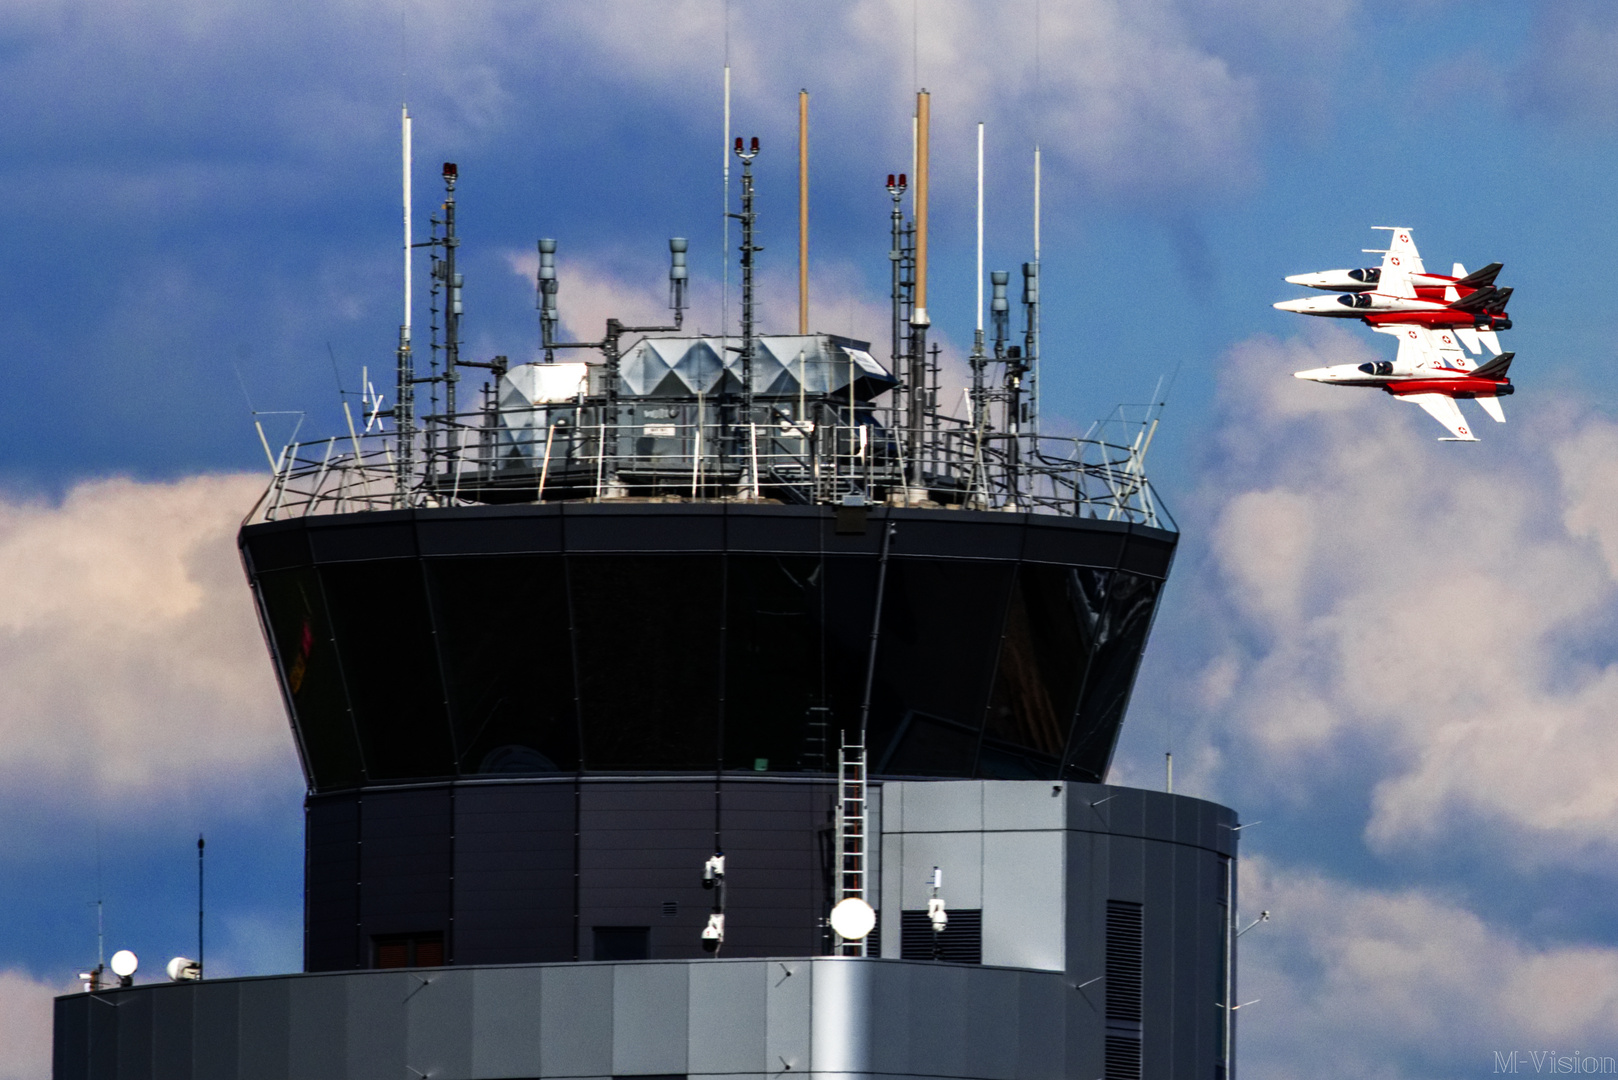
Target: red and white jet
(1401, 293)
(1430, 370)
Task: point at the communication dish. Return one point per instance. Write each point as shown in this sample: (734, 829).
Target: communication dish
(124, 963)
(852, 918)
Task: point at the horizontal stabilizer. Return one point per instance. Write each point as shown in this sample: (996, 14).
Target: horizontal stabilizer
(1491, 405)
(1478, 279)
(1496, 368)
(1485, 299)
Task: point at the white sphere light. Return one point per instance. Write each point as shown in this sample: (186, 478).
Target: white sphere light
(853, 918)
(124, 963)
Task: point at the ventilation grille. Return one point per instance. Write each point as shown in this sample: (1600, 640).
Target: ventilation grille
(1125, 959)
(960, 943)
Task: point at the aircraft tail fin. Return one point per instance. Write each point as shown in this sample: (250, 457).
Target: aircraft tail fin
(1488, 298)
(1496, 368)
(1478, 279)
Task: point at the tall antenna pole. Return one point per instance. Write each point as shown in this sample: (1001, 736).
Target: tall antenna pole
(980, 230)
(1033, 394)
(404, 397)
(803, 212)
(724, 291)
(918, 318)
(199, 905)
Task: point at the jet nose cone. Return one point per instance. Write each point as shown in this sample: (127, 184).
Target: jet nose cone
(1302, 279)
(1300, 307)
(1318, 374)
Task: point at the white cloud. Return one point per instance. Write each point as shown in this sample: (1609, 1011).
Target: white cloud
(131, 657)
(25, 1024)
(1426, 619)
(1360, 982)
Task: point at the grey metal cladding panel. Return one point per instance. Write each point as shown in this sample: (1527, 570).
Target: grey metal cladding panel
(1148, 557)
(1192, 987)
(172, 1010)
(438, 1017)
(1094, 543)
(775, 531)
(638, 529)
(1024, 804)
(1088, 864)
(940, 1021)
(651, 1003)
(949, 536)
(1157, 815)
(992, 1033)
(406, 813)
(214, 1030)
(1041, 1027)
(318, 1027)
(265, 1034)
(374, 1043)
(506, 1031)
(276, 546)
(576, 1018)
(610, 844)
(728, 1017)
(1159, 973)
(134, 1036)
(1126, 870)
(786, 1007)
(103, 1019)
(70, 1038)
(345, 540)
(538, 530)
(604, 798)
(539, 798)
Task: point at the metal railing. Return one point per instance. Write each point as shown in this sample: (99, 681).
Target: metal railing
(693, 451)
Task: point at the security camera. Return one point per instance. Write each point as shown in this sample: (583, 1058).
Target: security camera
(182, 969)
(713, 935)
(713, 871)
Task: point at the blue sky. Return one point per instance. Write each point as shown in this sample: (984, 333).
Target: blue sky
(1399, 654)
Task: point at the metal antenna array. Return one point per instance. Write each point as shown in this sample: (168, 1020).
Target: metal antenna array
(748, 218)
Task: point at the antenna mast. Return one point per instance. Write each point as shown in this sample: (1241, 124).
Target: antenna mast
(917, 377)
(747, 217)
(199, 905)
(803, 212)
(404, 399)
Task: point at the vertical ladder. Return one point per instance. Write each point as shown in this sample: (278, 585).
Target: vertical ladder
(851, 829)
(815, 739)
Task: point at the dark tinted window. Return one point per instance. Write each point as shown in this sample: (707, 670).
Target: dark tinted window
(1120, 637)
(302, 641)
(648, 644)
(390, 665)
(508, 663)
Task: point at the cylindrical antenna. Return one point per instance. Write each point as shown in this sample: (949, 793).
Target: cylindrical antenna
(724, 252)
(405, 139)
(803, 211)
(199, 905)
(1033, 391)
(678, 275)
(980, 226)
(547, 296)
(1000, 311)
(923, 108)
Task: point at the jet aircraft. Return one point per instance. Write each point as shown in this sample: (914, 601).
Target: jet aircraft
(1401, 292)
(1430, 370)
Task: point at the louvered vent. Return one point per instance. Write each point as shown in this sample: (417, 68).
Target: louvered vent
(1125, 946)
(960, 943)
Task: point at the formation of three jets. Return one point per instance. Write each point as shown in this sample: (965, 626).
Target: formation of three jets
(1438, 319)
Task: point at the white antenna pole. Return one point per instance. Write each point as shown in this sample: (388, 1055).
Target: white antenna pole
(724, 292)
(405, 137)
(1038, 345)
(980, 227)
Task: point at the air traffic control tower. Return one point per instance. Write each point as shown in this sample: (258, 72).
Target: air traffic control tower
(611, 684)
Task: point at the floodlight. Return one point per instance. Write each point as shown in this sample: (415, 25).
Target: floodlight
(852, 918)
(124, 963)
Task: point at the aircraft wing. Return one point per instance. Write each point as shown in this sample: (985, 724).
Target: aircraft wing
(1442, 407)
(1423, 349)
(1398, 263)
